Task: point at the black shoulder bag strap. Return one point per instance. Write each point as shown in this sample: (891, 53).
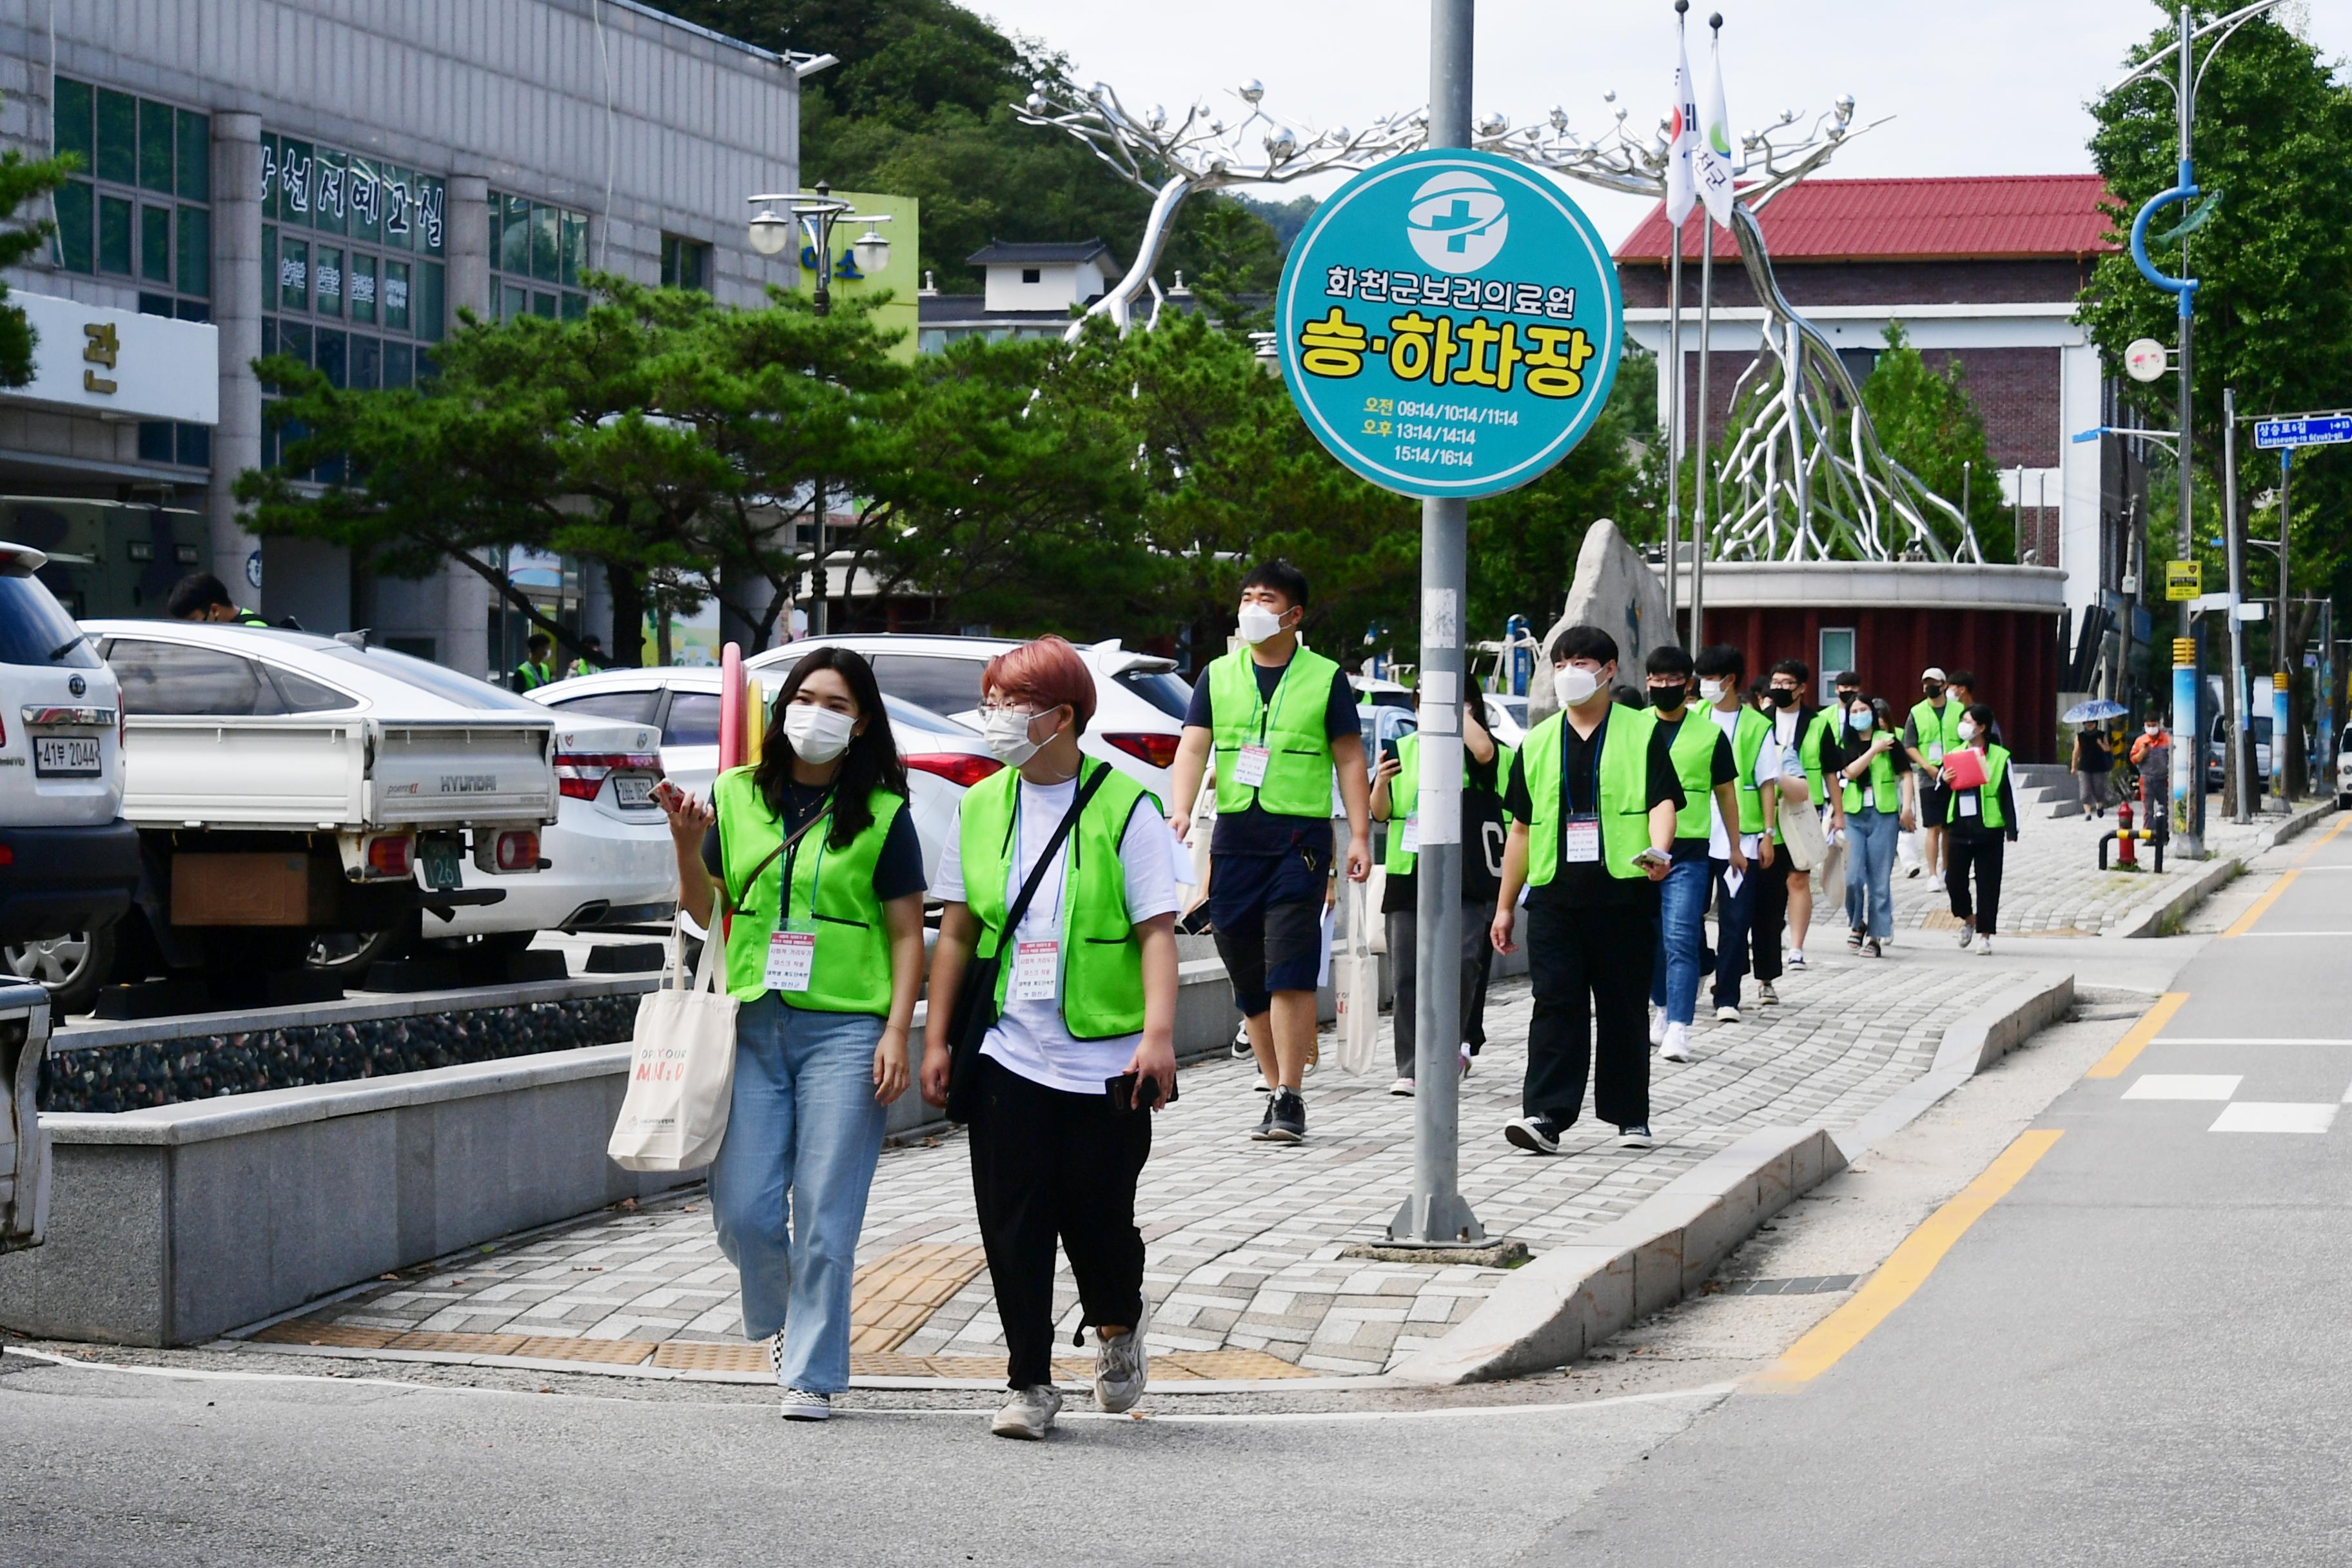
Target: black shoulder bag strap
(975, 1011)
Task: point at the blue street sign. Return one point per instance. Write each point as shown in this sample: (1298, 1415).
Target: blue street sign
(1450, 324)
(2333, 431)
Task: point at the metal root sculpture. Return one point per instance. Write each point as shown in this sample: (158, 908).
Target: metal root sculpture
(1804, 476)
(1201, 151)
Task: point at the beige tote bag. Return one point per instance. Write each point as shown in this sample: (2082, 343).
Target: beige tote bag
(681, 1070)
(1356, 978)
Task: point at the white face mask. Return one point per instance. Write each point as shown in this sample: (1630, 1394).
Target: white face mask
(1967, 730)
(818, 734)
(1574, 685)
(1007, 734)
(1711, 691)
(1258, 623)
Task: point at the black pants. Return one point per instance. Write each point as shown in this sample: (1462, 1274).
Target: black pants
(1476, 1030)
(1404, 927)
(1981, 849)
(1770, 917)
(1589, 970)
(1735, 917)
(1048, 1165)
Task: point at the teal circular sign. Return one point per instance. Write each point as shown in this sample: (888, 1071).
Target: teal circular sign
(1450, 323)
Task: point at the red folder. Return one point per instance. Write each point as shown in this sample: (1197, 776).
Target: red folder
(1965, 768)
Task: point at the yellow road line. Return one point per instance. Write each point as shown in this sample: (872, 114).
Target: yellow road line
(2342, 820)
(2151, 1024)
(2262, 906)
(1907, 1268)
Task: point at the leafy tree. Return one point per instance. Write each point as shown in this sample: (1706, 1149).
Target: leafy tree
(1928, 422)
(2273, 261)
(21, 180)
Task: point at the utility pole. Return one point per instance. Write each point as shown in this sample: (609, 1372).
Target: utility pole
(2283, 735)
(1435, 1212)
(2239, 757)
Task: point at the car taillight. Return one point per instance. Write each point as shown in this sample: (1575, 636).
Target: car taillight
(1154, 747)
(7, 856)
(580, 775)
(390, 856)
(518, 851)
(962, 768)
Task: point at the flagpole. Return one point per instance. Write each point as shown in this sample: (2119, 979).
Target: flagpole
(1674, 424)
(1700, 487)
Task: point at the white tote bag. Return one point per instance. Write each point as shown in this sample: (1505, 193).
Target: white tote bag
(1802, 837)
(681, 1070)
(1356, 977)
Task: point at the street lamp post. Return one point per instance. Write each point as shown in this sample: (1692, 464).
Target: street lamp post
(2187, 752)
(772, 232)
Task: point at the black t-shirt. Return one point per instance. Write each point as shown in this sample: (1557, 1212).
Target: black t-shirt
(1726, 771)
(899, 871)
(1254, 830)
(1588, 884)
(1482, 841)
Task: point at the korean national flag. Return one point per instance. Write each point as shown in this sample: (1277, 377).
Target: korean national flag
(1682, 145)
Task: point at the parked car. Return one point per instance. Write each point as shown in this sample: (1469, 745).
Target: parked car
(69, 863)
(2344, 770)
(1140, 699)
(943, 758)
(1506, 718)
(2216, 752)
(287, 787)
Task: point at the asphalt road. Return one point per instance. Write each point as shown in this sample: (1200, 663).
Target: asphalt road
(2139, 1356)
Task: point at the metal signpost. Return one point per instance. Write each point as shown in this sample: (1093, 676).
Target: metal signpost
(2284, 436)
(1449, 324)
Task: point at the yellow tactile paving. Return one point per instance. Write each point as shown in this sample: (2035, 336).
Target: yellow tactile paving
(897, 1292)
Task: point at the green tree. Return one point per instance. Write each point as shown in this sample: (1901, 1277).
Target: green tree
(1928, 422)
(21, 180)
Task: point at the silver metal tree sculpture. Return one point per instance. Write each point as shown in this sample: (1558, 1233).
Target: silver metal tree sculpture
(1806, 474)
(1201, 151)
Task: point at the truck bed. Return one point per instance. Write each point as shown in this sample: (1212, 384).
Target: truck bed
(340, 773)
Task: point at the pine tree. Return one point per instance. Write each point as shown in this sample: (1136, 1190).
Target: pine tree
(23, 180)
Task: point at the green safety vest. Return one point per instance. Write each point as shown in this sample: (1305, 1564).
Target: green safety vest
(1102, 958)
(1406, 790)
(1692, 749)
(1885, 793)
(250, 618)
(1996, 764)
(1298, 762)
(530, 676)
(1624, 795)
(580, 666)
(1748, 738)
(1809, 751)
(1939, 733)
(851, 969)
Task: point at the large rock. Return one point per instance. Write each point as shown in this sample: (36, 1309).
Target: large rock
(1617, 591)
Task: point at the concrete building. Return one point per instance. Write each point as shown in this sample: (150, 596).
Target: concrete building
(337, 180)
(1030, 291)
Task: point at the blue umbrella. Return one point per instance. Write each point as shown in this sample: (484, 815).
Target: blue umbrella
(2093, 711)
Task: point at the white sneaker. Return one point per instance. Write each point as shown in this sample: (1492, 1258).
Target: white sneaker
(1402, 1086)
(1936, 880)
(1726, 1014)
(1967, 933)
(1467, 1054)
(1796, 958)
(1677, 1047)
(1029, 1414)
(1658, 1026)
(1122, 1367)
(1263, 1087)
(1984, 947)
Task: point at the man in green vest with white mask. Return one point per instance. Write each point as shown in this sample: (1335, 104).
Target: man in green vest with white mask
(1592, 797)
(1931, 732)
(1280, 719)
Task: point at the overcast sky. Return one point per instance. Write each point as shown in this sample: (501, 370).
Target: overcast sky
(1976, 86)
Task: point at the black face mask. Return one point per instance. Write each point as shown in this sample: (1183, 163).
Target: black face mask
(1931, 691)
(1782, 696)
(1845, 699)
(1670, 696)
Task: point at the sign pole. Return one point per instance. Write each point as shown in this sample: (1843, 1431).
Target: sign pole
(2282, 650)
(2242, 729)
(1434, 1211)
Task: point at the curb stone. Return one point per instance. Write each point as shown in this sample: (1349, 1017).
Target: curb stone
(2154, 918)
(1574, 1297)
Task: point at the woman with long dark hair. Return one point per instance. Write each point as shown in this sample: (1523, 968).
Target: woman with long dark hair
(815, 869)
(1879, 791)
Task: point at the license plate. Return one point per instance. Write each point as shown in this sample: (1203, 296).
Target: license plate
(441, 872)
(633, 789)
(66, 756)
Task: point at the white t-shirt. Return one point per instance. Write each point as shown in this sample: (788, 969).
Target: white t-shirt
(1767, 769)
(1029, 1037)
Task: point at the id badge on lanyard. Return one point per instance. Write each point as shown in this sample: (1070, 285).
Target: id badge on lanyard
(1036, 971)
(1411, 843)
(791, 957)
(1581, 842)
(1249, 766)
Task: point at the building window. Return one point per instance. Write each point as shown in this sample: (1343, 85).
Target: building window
(538, 253)
(1032, 275)
(686, 264)
(1837, 658)
(353, 276)
(141, 208)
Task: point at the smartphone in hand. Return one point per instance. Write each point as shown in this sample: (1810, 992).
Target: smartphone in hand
(1134, 1092)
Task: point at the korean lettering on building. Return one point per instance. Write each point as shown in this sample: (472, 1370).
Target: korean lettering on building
(331, 190)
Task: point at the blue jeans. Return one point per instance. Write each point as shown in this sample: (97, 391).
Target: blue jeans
(803, 1133)
(1673, 973)
(1869, 870)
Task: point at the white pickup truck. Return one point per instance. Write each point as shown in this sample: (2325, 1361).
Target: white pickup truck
(285, 785)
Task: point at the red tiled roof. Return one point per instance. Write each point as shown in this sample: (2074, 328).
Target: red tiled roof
(1979, 217)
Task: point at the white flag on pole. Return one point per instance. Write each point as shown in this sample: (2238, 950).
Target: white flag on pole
(1713, 164)
(1681, 141)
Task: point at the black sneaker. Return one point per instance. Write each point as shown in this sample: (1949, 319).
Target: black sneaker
(1536, 1135)
(1285, 1118)
(1266, 1121)
(1636, 1135)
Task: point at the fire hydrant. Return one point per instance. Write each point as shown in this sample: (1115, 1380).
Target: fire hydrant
(2125, 858)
